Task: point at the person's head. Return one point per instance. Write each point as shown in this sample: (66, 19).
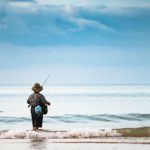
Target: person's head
(37, 88)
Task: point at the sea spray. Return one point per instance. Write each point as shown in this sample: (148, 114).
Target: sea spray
(48, 134)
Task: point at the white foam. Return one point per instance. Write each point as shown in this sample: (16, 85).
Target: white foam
(75, 133)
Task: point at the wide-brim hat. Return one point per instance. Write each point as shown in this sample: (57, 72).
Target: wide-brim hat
(37, 87)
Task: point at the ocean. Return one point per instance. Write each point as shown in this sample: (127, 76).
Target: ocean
(79, 114)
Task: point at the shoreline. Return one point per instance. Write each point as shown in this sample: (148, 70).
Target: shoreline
(67, 144)
(106, 140)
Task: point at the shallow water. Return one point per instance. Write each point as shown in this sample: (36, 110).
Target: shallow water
(84, 111)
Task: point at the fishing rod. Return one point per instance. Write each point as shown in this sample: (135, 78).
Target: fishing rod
(46, 79)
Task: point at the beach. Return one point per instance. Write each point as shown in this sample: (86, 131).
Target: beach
(57, 145)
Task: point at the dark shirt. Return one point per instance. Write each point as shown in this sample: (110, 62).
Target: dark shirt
(36, 99)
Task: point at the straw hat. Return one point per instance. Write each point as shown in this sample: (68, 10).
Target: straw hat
(37, 88)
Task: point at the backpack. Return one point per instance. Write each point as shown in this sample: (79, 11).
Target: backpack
(44, 109)
(43, 106)
(38, 110)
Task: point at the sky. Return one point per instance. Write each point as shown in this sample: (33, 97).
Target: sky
(76, 41)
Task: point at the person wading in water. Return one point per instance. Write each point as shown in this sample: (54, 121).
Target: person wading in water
(37, 102)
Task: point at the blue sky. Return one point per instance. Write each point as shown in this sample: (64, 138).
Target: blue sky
(77, 41)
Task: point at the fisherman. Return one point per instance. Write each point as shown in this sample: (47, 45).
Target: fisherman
(38, 103)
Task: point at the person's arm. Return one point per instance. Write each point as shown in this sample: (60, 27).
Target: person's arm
(28, 101)
(43, 100)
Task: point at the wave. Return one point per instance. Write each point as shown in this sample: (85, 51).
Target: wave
(100, 117)
(70, 118)
(75, 134)
(100, 94)
(81, 91)
(134, 132)
(7, 119)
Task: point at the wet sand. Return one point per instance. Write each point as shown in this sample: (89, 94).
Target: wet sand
(75, 144)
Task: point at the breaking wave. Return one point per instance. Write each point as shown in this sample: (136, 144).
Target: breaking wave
(75, 134)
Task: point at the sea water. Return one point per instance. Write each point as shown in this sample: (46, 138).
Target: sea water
(78, 111)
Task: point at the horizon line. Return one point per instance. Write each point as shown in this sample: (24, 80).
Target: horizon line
(85, 84)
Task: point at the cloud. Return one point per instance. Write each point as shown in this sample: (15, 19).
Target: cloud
(90, 3)
(7, 1)
(22, 0)
(30, 23)
(125, 11)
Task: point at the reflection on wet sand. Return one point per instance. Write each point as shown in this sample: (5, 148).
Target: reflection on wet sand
(37, 144)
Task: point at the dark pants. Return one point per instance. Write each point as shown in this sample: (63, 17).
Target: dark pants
(37, 120)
